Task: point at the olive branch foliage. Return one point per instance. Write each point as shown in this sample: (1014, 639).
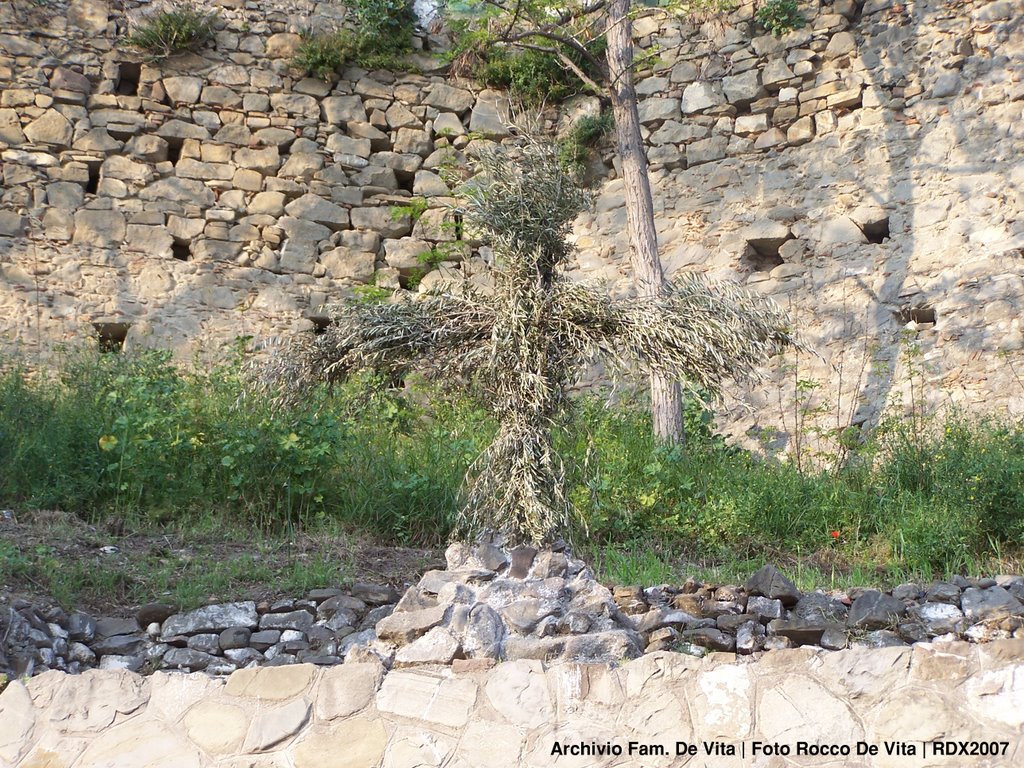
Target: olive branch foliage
(523, 344)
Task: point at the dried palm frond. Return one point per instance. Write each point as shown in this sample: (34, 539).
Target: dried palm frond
(526, 342)
(698, 331)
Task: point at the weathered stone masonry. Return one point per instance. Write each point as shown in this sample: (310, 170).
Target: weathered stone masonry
(356, 716)
(865, 170)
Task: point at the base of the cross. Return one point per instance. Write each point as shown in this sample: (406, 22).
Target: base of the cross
(505, 603)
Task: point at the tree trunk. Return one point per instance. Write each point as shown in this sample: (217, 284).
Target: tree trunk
(666, 395)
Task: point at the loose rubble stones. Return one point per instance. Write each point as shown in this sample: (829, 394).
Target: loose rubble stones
(494, 604)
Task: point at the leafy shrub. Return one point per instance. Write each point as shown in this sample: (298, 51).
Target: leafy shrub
(780, 16)
(575, 147)
(388, 23)
(321, 55)
(183, 28)
(384, 30)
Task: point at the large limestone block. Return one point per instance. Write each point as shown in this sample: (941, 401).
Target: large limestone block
(148, 743)
(743, 88)
(448, 124)
(495, 745)
(438, 646)
(97, 140)
(176, 131)
(89, 16)
(126, 169)
(413, 142)
(10, 128)
(383, 220)
(272, 683)
(266, 161)
(399, 116)
(150, 148)
(343, 263)
(220, 96)
(65, 194)
(100, 229)
(449, 99)
(301, 166)
(706, 150)
(273, 726)
(907, 714)
(405, 254)
(519, 692)
(346, 689)
(657, 109)
(216, 726)
(154, 241)
(302, 230)
(838, 231)
(346, 145)
(341, 110)
(50, 128)
(283, 45)
(297, 104)
(721, 700)
(436, 225)
(700, 96)
(311, 207)
(88, 703)
(490, 116)
(355, 743)
(18, 716)
(267, 203)
(183, 89)
(405, 626)
(796, 707)
(426, 696)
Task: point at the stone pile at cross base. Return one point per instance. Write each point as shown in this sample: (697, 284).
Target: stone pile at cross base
(497, 604)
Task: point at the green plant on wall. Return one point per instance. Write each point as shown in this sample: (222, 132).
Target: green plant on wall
(780, 16)
(587, 133)
(321, 55)
(384, 30)
(181, 28)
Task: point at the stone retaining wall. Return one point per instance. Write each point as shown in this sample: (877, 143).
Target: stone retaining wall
(513, 714)
(864, 170)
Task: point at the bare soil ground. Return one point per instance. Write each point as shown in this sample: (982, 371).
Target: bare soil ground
(52, 556)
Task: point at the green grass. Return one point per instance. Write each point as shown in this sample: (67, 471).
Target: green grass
(182, 27)
(138, 438)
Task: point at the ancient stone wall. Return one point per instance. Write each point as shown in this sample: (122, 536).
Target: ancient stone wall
(864, 170)
(897, 701)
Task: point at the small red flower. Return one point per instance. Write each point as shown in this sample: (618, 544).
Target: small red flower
(835, 534)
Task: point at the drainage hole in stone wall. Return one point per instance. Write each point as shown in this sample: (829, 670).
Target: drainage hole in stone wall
(111, 336)
(174, 151)
(94, 179)
(920, 316)
(180, 250)
(128, 75)
(876, 231)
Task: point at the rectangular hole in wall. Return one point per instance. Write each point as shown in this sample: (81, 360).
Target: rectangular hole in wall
(128, 75)
(94, 179)
(181, 250)
(922, 317)
(174, 151)
(111, 336)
